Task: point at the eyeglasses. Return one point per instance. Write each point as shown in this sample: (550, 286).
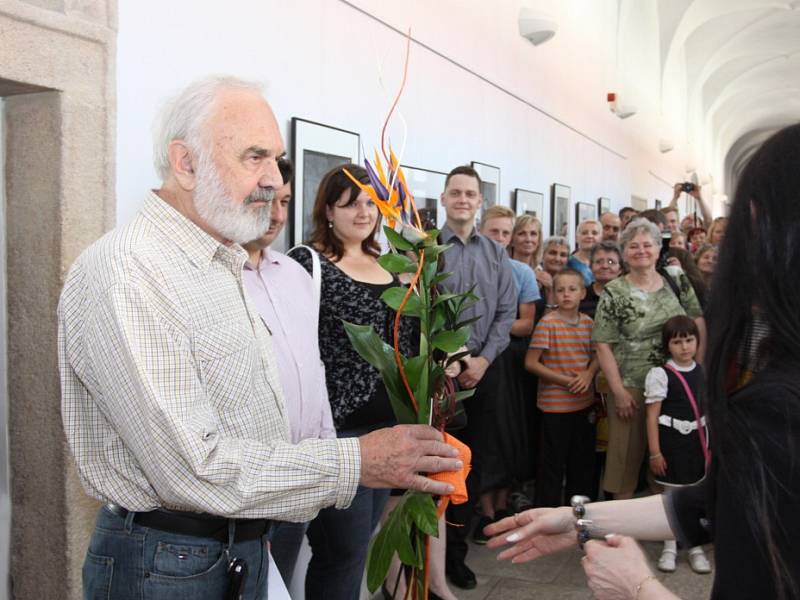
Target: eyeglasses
(605, 261)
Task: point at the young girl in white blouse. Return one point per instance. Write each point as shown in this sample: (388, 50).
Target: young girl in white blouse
(676, 428)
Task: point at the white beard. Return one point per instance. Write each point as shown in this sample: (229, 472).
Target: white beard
(238, 223)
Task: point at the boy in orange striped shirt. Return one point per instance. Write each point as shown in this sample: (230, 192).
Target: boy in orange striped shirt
(562, 355)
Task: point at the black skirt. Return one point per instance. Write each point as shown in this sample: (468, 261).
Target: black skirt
(684, 456)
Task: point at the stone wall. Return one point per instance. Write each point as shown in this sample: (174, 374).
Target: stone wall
(57, 69)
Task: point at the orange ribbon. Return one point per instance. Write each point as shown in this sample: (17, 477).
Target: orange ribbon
(458, 479)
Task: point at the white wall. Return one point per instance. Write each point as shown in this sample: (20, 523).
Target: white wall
(319, 59)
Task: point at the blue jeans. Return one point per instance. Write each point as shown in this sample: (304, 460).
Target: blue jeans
(127, 561)
(339, 540)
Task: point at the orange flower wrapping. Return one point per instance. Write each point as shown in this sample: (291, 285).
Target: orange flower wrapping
(457, 478)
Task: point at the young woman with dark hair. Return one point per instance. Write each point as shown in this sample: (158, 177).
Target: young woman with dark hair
(748, 501)
(345, 223)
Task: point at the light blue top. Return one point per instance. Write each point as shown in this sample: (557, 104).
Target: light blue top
(582, 268)
(524, 277)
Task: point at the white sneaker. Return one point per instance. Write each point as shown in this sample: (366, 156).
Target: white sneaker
(699, 562)
(667, 561)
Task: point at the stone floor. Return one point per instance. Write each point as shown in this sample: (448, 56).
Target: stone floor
(560, 577)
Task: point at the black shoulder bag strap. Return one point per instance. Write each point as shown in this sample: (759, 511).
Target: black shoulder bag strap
(672, 284)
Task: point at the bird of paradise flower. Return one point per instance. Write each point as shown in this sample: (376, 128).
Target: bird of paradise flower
(432, 395)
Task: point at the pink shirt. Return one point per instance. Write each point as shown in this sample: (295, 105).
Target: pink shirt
(282, 292)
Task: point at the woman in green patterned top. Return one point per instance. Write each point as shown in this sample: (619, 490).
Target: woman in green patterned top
(627, 333)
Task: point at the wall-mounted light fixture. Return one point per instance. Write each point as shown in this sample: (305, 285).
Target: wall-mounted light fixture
(621, 110)
(535, 26)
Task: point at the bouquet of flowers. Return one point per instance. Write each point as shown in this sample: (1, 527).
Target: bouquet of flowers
(418, 388)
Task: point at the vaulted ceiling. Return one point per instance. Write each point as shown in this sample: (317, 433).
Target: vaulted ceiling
(732, 67)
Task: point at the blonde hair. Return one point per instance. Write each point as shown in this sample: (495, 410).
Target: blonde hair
(520, 223)
(714, 226)
(498, 211)
(582, 223)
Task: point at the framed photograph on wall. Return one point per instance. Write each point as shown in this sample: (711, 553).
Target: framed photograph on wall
(527, 202)
(559, 209)
(584, 211)
(490, 184)
(427, 186)
(638, 203)
(603, 206)
(316, 149)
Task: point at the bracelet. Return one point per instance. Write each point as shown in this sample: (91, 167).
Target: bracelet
(641, 585)
(581, 525)
(655, 456)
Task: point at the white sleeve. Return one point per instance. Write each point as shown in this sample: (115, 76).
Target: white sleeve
(655, 385)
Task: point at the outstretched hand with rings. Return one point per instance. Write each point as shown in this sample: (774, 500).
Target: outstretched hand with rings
(533, 533)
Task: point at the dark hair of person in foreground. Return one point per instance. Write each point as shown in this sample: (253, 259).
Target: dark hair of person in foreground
(759, 270)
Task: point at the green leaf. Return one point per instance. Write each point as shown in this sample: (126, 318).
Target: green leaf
(370, 346)
(393, 297)
(440, 277)
(394, 536)
(466, 322)
(429, 270)
(417, 374)
(450, 341)
(397, 263)
(397, 240)
(434, 251)
(432, 235)
(439, 319)
(444, 298)
(398, 398)
(380, 355)
(423, 512)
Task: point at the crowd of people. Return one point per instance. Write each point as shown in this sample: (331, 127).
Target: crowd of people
(551, 321)
(214, 403)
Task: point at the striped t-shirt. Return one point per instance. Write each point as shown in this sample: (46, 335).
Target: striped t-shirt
(567, 349)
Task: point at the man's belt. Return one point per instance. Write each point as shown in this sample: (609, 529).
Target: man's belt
(197, 524)
(684, 427)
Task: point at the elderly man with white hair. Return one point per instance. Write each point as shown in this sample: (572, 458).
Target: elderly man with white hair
(171, 398)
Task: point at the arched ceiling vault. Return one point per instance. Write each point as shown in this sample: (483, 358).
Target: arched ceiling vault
(730, 71)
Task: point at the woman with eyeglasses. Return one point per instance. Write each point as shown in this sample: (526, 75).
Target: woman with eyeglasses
(345, 222)
(606, 264)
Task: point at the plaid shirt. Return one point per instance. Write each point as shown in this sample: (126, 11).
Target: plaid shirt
(170, 395)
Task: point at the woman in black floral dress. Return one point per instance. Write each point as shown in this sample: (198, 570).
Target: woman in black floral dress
(345, 222)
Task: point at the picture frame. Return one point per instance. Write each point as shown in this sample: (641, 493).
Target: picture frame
(584, 211)
(657, 204)
(316, 149)
(560, 200)
(490, 184)
(603, 206)
(638, 203)
(528, 202)
(427, 186)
